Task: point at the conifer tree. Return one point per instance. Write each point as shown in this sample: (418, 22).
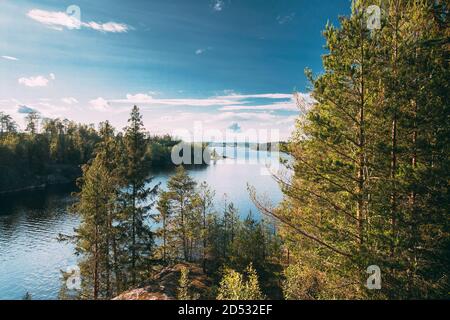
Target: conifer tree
(365, 159)
(163, 218)
(136, 196)
(205, 199)
(96, 195)
(185, 222)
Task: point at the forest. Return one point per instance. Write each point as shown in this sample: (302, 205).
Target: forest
(52, 151)
(368, 183)
(371, 166)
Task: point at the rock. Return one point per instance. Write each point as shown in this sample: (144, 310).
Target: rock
(164, 285)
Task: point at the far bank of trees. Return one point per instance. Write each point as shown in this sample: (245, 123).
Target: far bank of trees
(52, 151)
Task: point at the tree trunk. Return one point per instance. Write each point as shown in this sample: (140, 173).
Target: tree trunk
(204, 238)
(96, 278)
(133, 248)
(394, 143)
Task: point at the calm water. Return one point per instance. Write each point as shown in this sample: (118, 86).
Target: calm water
(30, 256)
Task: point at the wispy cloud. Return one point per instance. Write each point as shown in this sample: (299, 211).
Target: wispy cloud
(277, 106)
(230, 102)
(202, 50)
(107, 27)
(257, 96)
(286, 18)
(69, 100)
(297, 102)
(145, 99)
(10, 58)
(59, 20)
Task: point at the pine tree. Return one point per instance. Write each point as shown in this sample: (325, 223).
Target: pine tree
(32, 120)
(96, 195)
(205, 204)
(136, 196)
(106, 153)
(185, 222)
(163, 218)
(7, 124)
(365, 159)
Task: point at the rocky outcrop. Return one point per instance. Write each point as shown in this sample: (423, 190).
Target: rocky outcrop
(22, 181)
(164, 285)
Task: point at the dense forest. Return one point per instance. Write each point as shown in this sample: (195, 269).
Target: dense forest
(366, 185)
(52, 151)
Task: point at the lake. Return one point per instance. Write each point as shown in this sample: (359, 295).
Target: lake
(31, 257)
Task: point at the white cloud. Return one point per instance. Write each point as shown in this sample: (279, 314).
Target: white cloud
(100, 104)
(54, 19)
(218, 5)
(69, 100)
(10, 58)
(38, 81)
(59, 20)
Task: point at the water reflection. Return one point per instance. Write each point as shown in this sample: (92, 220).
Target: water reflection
(30, 255)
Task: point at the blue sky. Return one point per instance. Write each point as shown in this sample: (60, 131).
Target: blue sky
(228, 63)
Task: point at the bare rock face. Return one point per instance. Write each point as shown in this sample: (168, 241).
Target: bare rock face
(142, 294)
(164, 285)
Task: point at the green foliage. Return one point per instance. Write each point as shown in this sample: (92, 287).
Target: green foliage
(184, 288)
(184, 220)
(96, 201)
(370, 161)
(191, 230)
(236, 286)
(115, 239)
(50, 156)
(136, 197)
(51, 151)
